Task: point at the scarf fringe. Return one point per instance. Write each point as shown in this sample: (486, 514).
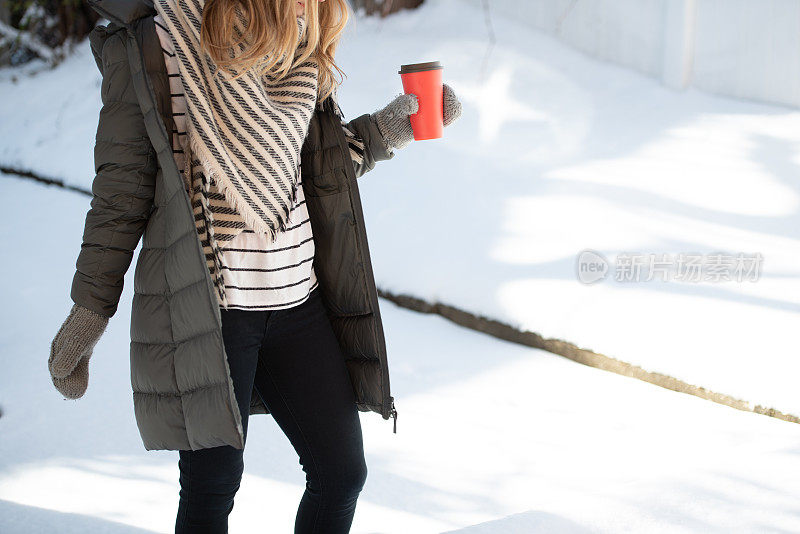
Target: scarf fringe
(216, 251)
(214, 170)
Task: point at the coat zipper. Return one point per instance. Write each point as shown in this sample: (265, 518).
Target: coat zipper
(334, 108)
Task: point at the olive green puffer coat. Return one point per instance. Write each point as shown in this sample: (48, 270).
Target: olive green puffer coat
(182, 391)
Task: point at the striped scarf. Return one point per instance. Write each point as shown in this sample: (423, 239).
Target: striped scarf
(247, 133)
(244, 136)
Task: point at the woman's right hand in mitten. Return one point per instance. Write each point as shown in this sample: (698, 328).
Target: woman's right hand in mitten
(71, 349)
(394, 120)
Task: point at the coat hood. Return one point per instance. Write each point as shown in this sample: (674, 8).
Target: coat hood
(123, 12)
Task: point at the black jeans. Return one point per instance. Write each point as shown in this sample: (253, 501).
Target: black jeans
(303, 380)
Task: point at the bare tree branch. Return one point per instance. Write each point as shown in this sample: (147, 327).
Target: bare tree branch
(10, 35)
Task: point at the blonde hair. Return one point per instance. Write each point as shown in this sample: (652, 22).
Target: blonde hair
(267, 37)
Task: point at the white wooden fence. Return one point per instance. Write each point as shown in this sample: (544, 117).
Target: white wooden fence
(742, 48)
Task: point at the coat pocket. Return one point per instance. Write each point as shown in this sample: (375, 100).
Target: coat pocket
(328, 183)
(338, 261)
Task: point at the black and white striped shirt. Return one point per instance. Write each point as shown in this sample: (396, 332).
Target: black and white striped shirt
(258, 274)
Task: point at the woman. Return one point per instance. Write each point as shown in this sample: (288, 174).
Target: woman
(221, 144)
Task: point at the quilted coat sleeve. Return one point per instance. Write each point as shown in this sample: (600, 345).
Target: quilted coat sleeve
(123, 187)
(365, 130)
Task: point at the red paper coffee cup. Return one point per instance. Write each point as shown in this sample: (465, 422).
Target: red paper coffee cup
(425, 81)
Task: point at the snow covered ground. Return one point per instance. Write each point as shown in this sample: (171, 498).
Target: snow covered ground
(555, 153)
(492, 437)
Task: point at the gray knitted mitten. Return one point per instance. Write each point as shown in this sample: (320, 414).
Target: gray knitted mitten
(394, 123)
(71, 349)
